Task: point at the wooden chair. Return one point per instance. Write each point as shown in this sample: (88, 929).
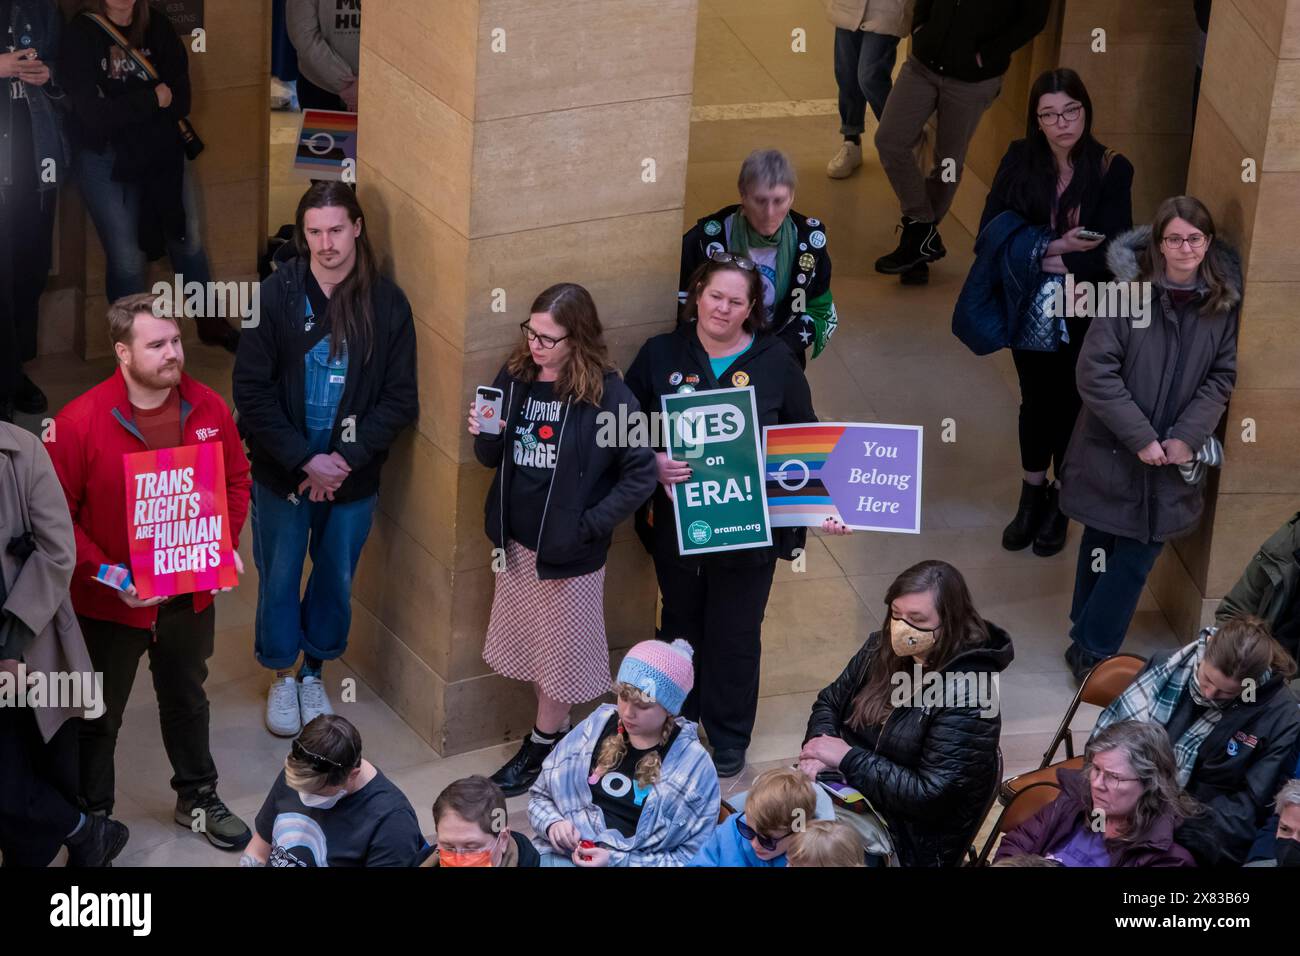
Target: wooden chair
(993, 796)
(1106, 681)
(1026, 802)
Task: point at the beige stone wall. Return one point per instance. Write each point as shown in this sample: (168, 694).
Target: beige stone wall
(509, 170)
(1248, 111)
(231, 96)
(1141, 86)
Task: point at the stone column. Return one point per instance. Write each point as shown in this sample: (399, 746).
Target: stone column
(505, 145)
(1245, 167)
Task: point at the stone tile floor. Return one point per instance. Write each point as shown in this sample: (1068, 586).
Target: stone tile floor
(893, 359)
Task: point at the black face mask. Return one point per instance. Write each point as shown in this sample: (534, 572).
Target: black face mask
(1287, 852)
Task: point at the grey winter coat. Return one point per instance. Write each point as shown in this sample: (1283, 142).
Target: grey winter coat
(1168, 376)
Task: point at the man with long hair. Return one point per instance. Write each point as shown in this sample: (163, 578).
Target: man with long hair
(324, 383)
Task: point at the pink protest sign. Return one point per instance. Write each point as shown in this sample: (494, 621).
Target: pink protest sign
(177, 520)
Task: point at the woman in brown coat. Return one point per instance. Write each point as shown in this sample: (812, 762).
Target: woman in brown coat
(1155, 383)
(41, 648)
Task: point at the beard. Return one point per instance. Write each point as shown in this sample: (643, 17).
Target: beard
(168, 376)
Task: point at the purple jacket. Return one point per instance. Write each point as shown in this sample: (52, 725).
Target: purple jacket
(1051, 826)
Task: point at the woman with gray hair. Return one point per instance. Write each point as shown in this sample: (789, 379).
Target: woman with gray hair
(787, 248)
(1120, 809)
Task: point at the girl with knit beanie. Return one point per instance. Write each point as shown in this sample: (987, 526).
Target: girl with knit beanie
(631, 785)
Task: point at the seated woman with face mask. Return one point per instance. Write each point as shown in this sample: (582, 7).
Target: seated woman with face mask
(927, 765)
(330, 807)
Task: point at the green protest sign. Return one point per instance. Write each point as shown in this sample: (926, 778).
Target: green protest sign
(724, 505)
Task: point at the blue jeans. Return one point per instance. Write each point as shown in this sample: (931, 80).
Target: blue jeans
(115, 209)
(864, 64)
(284, 533)
(1104, 601)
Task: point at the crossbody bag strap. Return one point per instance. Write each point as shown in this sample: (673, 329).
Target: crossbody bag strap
(120, 39)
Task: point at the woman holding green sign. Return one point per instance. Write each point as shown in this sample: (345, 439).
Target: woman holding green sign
(717, 600)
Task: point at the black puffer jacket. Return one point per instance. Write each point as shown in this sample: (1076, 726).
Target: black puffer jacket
(933, 768)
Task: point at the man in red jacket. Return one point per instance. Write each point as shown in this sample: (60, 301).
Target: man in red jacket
(148, 403)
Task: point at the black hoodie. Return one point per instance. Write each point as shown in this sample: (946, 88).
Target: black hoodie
(594, 485)
(948, 35)
(668, 362)
(932, 771)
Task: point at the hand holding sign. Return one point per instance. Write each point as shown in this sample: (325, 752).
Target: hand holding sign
(239, 569)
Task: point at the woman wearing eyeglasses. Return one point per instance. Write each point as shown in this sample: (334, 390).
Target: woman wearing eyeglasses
(1061, 178)
(717, 601)
(331, 807)
(1154, 384)
(559, 492)
(1121, 809)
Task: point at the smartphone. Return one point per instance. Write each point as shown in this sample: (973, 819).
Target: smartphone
(1091, 236)
(488, 406)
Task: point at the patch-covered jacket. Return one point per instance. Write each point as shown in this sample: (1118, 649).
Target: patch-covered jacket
(677, 818)
(814, 323)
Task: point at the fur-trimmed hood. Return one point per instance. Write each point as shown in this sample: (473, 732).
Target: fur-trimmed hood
(1123, 251)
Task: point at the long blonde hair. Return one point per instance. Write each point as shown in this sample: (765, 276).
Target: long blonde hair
(614, 749)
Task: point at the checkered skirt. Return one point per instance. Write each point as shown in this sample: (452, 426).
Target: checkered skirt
(551, 632)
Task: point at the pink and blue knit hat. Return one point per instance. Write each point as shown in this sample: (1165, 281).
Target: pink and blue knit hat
(661, 671)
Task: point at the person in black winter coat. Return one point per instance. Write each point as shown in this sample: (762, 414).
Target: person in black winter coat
(129, 155)
(926, 759)
(563, 483)
(1057, 176)
(324, 384)
(717, 601)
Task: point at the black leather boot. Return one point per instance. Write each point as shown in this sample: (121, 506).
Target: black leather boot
(522, 770)
(1051, 532)
(919, 243)
(1024, 526)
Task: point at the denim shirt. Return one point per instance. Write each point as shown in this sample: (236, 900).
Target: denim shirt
(39, 24)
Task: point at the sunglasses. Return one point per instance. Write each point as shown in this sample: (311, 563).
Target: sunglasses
(317, 762)
(741, 261)
(749, 833)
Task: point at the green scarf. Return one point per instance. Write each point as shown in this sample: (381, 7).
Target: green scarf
(742, 236)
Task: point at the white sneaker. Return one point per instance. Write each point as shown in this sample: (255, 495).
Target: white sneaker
(312, 699)
(282, 708)
(846, 160)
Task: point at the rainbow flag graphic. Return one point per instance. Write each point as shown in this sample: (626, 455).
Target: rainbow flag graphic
(328, 138)
(794, 457)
